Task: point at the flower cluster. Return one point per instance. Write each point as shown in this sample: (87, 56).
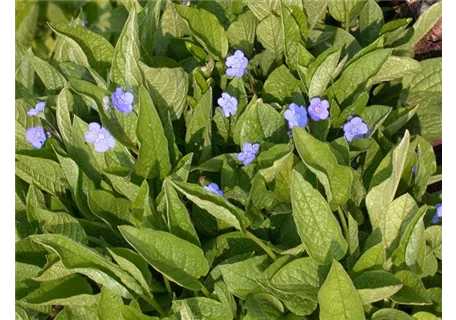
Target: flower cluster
(214, 188)
(248, 153)
(98, 135)
(297, 115)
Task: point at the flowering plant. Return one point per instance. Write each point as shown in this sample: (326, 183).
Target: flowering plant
(226, 160)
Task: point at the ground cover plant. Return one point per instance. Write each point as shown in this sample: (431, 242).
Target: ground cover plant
(226, 160)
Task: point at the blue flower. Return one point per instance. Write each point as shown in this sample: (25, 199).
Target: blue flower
(35, 136)
(355, 128)
(248, 153)
(39, 107)
(438, 214)
(123, 100)
(100, 137)
(296, 116)
(236, 64)
(85, 23)
(228, 104)
(414, 169)
(214, 188)
(318, 109)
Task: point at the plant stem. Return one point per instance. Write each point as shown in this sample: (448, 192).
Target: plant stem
(154, 304)
(205, 291)
(347, 18)
(168, 287)
(252, 83)
(343, 222)
(263, 246)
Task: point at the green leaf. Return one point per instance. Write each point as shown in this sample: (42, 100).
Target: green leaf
(113, 211)
(434, 240)
(199, 132)
(424, 23)
(426, 166)
(178, 218)
(386, 180)
(355, 78)
(84, 260)
(316, 225)
(44, 173)
(241, 33)
(270, 34)
(263, 8)
(206, 29)
(393, 221)
(338, 298)
(372, 259)
(280, 86)
(321, 72)
(53, 80)
(65, 103)
(125, 70)
(149, 20)
(425, 90)
(26, 19)
(217, 206)
(225, 297)
(371, 21)
(98, 50)
(168, 88)
(177, 259)
(153, 159)
(398, 119)
(61, 223)
(297, 284)
(396, 68)
(109, 306)
(315, 9)
(413, 292)
(389, 314)
(327, 36)
(375, 286)
(123, 186)
(423, 315)
(344, 9)
(263, 306)
(259, 123)
(62, 291)
(129, 312)
(242, 278)
(201, 308)
(318, 157)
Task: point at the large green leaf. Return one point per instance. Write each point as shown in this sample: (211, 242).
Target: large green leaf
(260, 122)
(178, 260)
(386, 180)
(280, 86)
(241, 33)
(263, 8)
(374, 286)
(84, 260)
(44, 173)
(125, 70)
(338, 298)
(168, 88)
(206, 29)
(297, 285)
(243, 277)
(318, 157)
(426, 166)
(201, 308)
(263, 306)
(153, 159)
(321, 72)
(65, 104)
(314, 10)
(110, 305)
(270, 34)
(316, 225)
(370, 21)
(53, 80)
(61, 223)
(217, 206)
(413, 292)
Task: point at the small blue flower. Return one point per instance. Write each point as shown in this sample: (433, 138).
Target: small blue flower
(236, 64)
(414, 169)
(85, 23)
(35, 136)
(214, 188)
(296, 116)
(248, 153)
(355, 128)
(100, 137)
(228, 104)
(438, 214)
(123, 100)
(39, 107)
(318, 109)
